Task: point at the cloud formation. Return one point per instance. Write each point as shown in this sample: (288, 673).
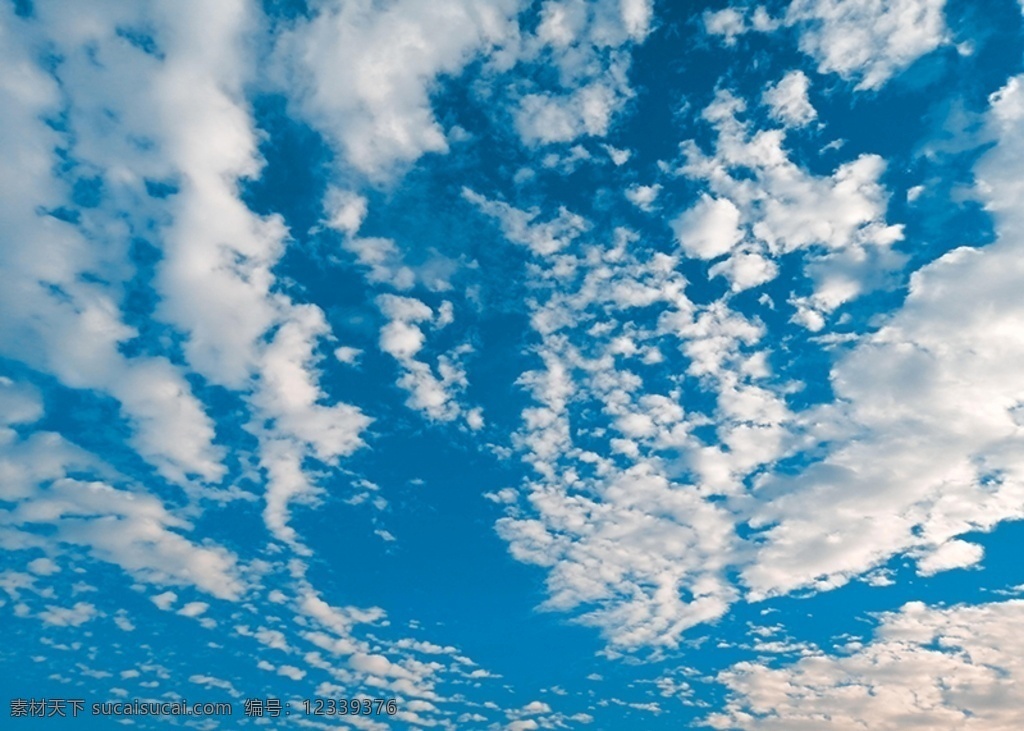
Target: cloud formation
(867, 40)
(925, 668)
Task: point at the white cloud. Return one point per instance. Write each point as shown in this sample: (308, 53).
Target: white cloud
(709, 229)
(587, 43)
(290, 671)
(745, 269)
(932, 399)
(519, 227)
(729, 23)
(303, 426)
(55, 318)
(122, 622)
(954, 554)
(925, 668)
(345, 210)
(131, 529)
(193, 609)
(643, 196)
(180, 116)
(434, 393)
(165, 600)
(19, 404)
(630, 537)
(43, 567)
(73, 616)
(522, 725)
(215, 278)
(290, 392)
(209, 681)
(636, 16)
(535, 707)
(401, 338)
(363, 72)
(788, 101)
(475, 419)
(786, 208)
(870, 40)
(919, 447)
(618, 156)
(383, 259)
(546, 118)
(638, 553)
(347, 354)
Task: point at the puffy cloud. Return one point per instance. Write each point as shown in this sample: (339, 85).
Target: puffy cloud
(709, 229)
(546, 118)
(290, 671)
(587, 43)
(870, 40)
(133, 531)
(165, 600)
(727, 23)
(345, 210)
(745, 269)
(636, 17)
(152, 103)
(436, 395)
(382, 259)
(787, 100)
(523, 725)
(618, 156)
(954, 554)
(215, 280)
(732, 22)
(128, 528)
(363, 72)
(74, 616)
(347, 354)
(535, 707)
(209, 681)
(643, 196)
(19, 404)
(290, 392)
(925, 668)
(786, 208)
(401, 337)
(43, 567)
(193, 609)
(172, 111)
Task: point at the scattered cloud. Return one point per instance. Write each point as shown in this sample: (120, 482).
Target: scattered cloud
(788, 102)
(363, 72)
(867, 40)
(924, 668)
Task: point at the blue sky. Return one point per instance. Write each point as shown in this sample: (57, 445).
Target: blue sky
(538, 365)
